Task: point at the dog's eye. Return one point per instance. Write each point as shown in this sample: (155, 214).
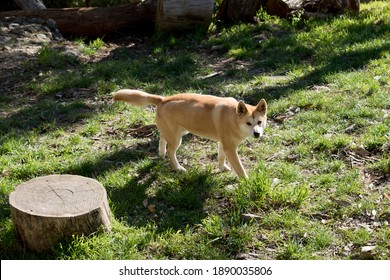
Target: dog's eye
(259, 122)
(248, 123)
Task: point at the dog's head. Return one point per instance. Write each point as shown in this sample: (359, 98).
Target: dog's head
(253, 118)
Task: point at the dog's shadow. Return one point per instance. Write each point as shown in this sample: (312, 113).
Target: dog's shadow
(162, 197)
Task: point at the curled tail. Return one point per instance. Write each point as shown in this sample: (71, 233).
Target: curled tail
(137, 97)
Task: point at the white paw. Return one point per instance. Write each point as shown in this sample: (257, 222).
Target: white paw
(224, 167)
(180, 168)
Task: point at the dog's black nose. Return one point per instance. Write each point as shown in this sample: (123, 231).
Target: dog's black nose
(256, 134)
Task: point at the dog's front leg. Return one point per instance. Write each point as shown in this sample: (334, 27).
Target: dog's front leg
(222, 159)
(235, 162)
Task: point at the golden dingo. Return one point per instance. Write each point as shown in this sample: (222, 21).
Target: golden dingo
(218, 118)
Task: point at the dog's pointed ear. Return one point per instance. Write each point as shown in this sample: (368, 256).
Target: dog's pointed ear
(241, 108)
(262, 107)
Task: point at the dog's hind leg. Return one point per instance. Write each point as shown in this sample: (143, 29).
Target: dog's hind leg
(169, 136)
(222, 159)
(173, 145)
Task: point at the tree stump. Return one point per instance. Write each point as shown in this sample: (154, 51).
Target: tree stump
(182, 15)
(48, 209)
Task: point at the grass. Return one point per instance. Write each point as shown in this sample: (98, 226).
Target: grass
(90, 48)
(315, 179)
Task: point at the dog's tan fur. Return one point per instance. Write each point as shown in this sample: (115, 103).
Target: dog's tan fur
(222, 119)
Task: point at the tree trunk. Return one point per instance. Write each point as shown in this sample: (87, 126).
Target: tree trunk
(30, 5)
(48, 209)
(100, 21)
(183, 15)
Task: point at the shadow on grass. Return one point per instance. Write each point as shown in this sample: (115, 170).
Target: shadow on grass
(168, 203)
(282, 51)
(353, 61)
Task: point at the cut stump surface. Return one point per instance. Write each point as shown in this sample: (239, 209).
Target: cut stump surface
(50, 208)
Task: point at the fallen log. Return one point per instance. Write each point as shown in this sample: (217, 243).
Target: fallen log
(148, 15)
(97, 21)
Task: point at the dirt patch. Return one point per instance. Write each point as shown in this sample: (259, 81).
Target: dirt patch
(21, 37)
(374, 180)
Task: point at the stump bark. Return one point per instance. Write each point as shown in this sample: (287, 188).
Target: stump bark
(182, 15)
(48, 209)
